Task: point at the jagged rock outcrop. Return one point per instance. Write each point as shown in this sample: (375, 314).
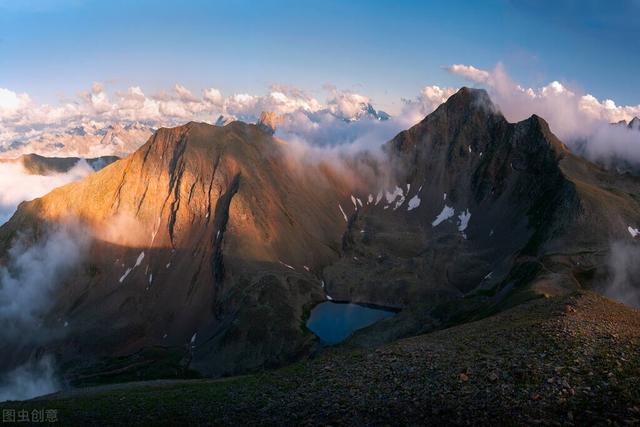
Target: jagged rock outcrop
(269, 121)
(223, 120)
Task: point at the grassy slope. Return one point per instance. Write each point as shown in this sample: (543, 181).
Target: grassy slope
(573, 359)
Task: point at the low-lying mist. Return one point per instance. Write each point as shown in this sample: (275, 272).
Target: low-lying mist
(624, 273)
(34, 378)
(18, 185)
(29, 277)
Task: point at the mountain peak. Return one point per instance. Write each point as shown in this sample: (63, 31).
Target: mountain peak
(470, 97)
(269, 121)
(464, 104)
(224, 120)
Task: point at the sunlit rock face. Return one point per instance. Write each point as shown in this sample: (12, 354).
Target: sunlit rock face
(191, 234)
(214, 242)
(269, 121)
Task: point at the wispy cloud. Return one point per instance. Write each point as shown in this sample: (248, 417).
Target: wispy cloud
(569, 112)
(28, 279)
(18, 185)
(580, 119)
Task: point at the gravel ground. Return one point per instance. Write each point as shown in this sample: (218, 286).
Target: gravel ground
(569, 360)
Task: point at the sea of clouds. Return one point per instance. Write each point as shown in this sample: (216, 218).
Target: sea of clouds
(18, 185)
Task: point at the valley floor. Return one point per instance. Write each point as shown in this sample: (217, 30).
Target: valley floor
(566, 360)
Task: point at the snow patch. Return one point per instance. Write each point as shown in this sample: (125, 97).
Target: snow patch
(447, 212)
(286, 265)
(379, 197)
(124, 276)
(397, 192)
(139, 260)
(444, 196)
(370, 199)
(353, 200)
(343, 214)
(633, 231)
(464, 218)
(414, 202)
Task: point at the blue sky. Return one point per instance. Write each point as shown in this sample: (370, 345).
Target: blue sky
(386, 49)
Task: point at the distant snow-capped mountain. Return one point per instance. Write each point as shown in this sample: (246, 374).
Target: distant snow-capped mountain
(365, 111)
(89, 139)
(631, 124)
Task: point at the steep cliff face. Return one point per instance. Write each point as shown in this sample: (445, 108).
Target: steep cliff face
(215, 242)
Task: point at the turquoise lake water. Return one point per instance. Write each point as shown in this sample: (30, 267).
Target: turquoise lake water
(334, 322)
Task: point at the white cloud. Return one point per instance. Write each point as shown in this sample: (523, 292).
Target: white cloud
(213, 96)
(348, 105)
(28, 279)
(17, 185)
(579, 119)
(34, 378)
(470, 73)
(184, 94)
(12, 103)
(429, 98)
(31, 274)
(569, 113)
